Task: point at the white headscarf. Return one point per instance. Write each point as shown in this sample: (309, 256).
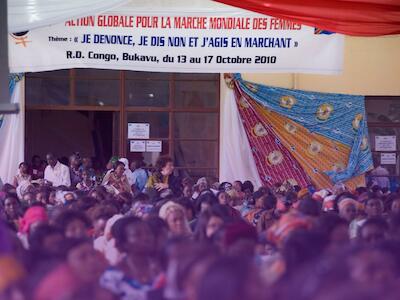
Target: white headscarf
(128, 173)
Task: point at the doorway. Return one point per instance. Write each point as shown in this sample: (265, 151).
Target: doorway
(91, 133)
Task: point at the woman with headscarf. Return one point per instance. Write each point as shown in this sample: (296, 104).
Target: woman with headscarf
(117, 182)
(263, 210)
(348, 209)
(105, 243)
(34, 216)
(128, 173)
(139, 270)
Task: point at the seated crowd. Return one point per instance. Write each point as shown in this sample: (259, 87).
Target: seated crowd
(132, 234)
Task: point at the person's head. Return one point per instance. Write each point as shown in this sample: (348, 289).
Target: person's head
(51, 159)
(9, 189)
(231, 278)
(42, 197)
(373, 265)
(373, 207)
(125, 200)
(394, 226)
(205, 201)
(334, 228)
(87, 162)
(99, 215)
(225, 186)
(202, 184)
(175, 216)
(52, 197)
(395, 207)
(136, 164)
(248, 188)
(74, 161)
(302, 246)
(310, 207)
(160, 230)
(237, 186)
(98, 193)
(73, 223)
(36, 161)
(188, 205)
(46, 240)
(239, 238)
(85, 175)
(210, 221)
(32, 218)
(69, 197)
(165, 165)
(374, 230)
(133, 236)
(192, 266)
(29, 198)
(348, 209)
(23, 167)
(84, 261)
(266, 201)
(187, 191)
(119, 169)
(12, 207)
(223, 198)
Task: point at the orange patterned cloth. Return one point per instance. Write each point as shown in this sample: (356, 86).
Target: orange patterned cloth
(289, 222)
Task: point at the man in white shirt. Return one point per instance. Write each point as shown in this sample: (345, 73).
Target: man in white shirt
(56, 173)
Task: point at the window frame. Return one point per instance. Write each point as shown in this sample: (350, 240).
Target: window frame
(123, 109)
(372, 125)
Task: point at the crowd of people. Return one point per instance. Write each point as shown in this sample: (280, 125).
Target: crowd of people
(136, 234)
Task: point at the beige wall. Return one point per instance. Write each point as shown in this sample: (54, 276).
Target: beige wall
(371, 67)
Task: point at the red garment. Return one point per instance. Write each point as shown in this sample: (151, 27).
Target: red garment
(239, 230)
(32, 215)
(357, 17)
(274, 162)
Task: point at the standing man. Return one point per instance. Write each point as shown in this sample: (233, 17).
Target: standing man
(56, 173)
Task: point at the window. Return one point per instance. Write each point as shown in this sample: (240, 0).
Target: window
(383, 113)
(181, 109)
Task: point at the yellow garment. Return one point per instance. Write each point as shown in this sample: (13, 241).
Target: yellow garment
(153, 179)
(315, 153)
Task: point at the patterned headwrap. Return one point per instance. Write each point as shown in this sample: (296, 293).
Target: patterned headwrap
(329, 203)
(278, 232)
(32, 215)
(349, 201)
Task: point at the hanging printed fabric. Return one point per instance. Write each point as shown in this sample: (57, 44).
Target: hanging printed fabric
(274, 162)
(324, 136)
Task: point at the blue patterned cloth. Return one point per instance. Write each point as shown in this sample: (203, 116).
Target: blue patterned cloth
(339, 117)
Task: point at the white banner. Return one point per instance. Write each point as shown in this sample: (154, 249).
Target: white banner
(178, 42)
